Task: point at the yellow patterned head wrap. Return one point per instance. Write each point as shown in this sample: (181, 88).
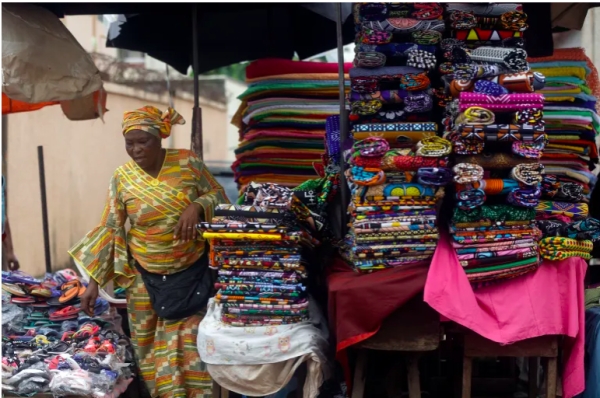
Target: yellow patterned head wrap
(152, 120)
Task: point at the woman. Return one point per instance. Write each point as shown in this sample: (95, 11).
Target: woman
(163, 193)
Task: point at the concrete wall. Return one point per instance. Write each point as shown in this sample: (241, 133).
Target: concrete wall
(80, 158)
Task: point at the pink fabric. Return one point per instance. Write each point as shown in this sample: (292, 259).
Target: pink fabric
(463, 106)
(549, 301)
(501, 99)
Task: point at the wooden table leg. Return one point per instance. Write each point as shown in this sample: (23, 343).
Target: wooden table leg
(414, 381)
(358, 387)
(551, 370)
(467, 376)
(533, 377)
(216, 390)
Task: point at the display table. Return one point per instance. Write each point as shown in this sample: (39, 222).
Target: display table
(359, 303)
(549, 301)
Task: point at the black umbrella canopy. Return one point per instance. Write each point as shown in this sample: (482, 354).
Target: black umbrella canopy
(230, 32)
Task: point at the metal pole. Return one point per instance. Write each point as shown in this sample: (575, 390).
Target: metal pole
(44, 208)
(343, 117)
(197, 113)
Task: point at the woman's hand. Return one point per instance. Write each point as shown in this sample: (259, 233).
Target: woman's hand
(11, 261)
(185, 230)
(89, 297)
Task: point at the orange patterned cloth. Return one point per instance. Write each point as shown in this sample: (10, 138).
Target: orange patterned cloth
(151, 120)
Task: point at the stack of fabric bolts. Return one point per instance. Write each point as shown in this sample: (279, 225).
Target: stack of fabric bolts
(258, 249)
(495, 122)
(282, 120)
(394, 197)
(397, 166)
(572, 124)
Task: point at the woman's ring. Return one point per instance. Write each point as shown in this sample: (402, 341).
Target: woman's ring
(189, 227)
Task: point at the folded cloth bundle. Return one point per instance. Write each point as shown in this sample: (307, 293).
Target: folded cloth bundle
(493, 213)
(371, 147)
(509, 21)
(492, 186)
(475, 115)
(468, 72)
(515, 59)
(501, 103)
(396, 134)
(391, 50)
(576, 211)
(398, 161)
(520, 82)
(369, 59)
(484, 9)
(495, 161)
(559, 248)
(419, 11)
(398, 190)
(588, 229)
(499, 132)
(482, 36)
(399, 26)
(562, 191)
(385, 96)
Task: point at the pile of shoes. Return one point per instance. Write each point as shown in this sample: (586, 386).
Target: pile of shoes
(260, 249)
(49, 345)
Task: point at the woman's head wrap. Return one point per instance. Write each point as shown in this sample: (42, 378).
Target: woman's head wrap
(152, 120)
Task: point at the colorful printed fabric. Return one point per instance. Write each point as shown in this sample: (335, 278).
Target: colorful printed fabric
(151, 120)
(493, 213)
(485, 36)
(574, 210)
(166, 351)
(405, 25)
(153, 207)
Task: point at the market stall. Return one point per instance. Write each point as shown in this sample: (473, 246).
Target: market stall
(469, 176)
(513, 179)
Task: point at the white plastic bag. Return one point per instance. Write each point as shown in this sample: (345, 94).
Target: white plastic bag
(41, 60)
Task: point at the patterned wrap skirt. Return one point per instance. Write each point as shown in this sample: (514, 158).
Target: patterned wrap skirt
(166, 350)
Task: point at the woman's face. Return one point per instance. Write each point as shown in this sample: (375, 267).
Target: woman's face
(144, 148)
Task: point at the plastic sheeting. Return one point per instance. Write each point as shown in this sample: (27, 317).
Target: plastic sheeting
(41, 60)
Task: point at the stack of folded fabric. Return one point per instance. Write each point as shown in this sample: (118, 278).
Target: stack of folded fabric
(485, 24)
(394, 202)
(572, 125)
(282, 120)
(390, 83)
(260, 249)
(397, 166)
(495, 122)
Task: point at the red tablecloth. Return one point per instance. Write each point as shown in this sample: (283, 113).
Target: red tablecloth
(358, 303)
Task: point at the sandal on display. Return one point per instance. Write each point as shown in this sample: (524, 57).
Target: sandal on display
(69, 291)
(13, 289)
(40, 291)
(66, 313)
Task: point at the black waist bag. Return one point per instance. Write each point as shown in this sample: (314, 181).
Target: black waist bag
(179, 295)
